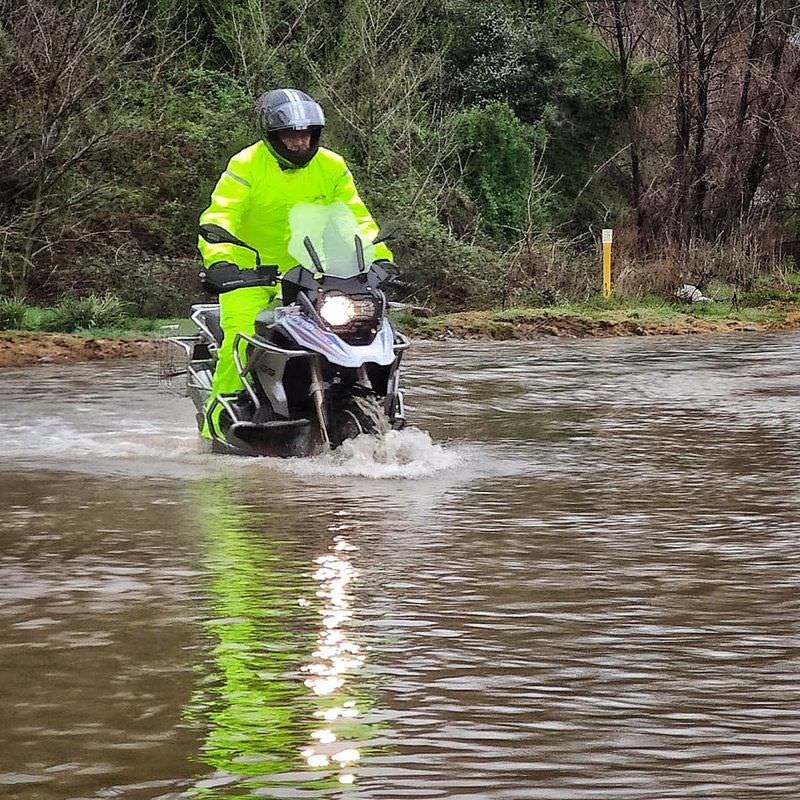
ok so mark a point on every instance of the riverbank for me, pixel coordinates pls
(597, 321)
(21, 348)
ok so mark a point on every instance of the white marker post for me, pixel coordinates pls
(608, 235)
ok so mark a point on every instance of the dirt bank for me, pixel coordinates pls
(490, 325)
(18, 348)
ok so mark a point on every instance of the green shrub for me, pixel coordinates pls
(440, 271)
(405, 320)
(175, 140)
(12, 314)
(159, 287)
(495, 151)
(499, 54)
(562, 81)
(86, 313)
(760, 297)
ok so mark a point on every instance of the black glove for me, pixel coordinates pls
(386, 270)
(223, 276)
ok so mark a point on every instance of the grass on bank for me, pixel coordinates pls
(101, 316)
(106, 316)
(757, 308)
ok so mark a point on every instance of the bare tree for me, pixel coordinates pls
(625, 30)
(62, 58)
(718, 148)
(375, 81)
(774, 98)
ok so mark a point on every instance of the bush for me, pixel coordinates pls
(176, 141)
(160, 287)
(494, 149)
(544, 270)
(443, 272)
(94, 311)
(12, 315)
(498, 54)
(562, 82)
(761, 297)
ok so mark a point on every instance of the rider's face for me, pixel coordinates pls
(296, 141)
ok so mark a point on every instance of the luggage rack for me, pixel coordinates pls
(170, 367)
(183, 366)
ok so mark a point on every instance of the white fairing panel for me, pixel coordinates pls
(309, 335)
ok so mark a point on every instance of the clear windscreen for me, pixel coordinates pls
(332, 231)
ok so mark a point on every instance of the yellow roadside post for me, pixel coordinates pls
(608, 235)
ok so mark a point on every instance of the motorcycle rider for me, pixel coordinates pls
(252, 200)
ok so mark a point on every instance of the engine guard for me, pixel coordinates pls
(278, 439)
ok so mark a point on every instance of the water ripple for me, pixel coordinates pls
(575, 578)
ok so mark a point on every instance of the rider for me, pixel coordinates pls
(252, 200)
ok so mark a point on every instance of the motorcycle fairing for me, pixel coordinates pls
(307, 333)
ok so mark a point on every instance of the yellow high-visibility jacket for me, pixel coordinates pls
(253, 196)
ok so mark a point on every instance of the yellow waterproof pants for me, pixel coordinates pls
(238, 310)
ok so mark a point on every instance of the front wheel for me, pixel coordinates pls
(352, 416)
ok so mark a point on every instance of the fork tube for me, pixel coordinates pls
(363, 378)
(317, 389)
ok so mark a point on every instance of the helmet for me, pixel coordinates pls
(289, 109)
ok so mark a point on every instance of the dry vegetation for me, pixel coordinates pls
(503, 135)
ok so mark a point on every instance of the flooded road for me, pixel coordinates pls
(576, 578)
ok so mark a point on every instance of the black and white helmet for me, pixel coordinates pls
(289, 109)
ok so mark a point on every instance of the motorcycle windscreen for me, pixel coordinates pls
(332, 231)
(307, 333)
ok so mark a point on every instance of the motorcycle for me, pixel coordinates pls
(323, 366)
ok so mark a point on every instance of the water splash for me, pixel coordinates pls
(410, 453)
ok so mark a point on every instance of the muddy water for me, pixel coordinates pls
(576, 578)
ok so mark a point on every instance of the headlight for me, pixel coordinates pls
(354, 317)
(337, 310)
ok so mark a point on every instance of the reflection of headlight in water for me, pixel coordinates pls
(337, 309)
(334, 657)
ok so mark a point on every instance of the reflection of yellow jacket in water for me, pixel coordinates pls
(249, 698)
(252, 200)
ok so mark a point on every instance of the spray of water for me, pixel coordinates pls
(140, 447)
(397, 454)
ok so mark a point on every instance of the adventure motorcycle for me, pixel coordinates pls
(322, 367)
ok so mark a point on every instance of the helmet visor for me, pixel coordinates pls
(295, 114)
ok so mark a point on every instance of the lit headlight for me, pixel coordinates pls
(337, 309)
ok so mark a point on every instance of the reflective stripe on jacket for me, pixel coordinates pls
(253, 196)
